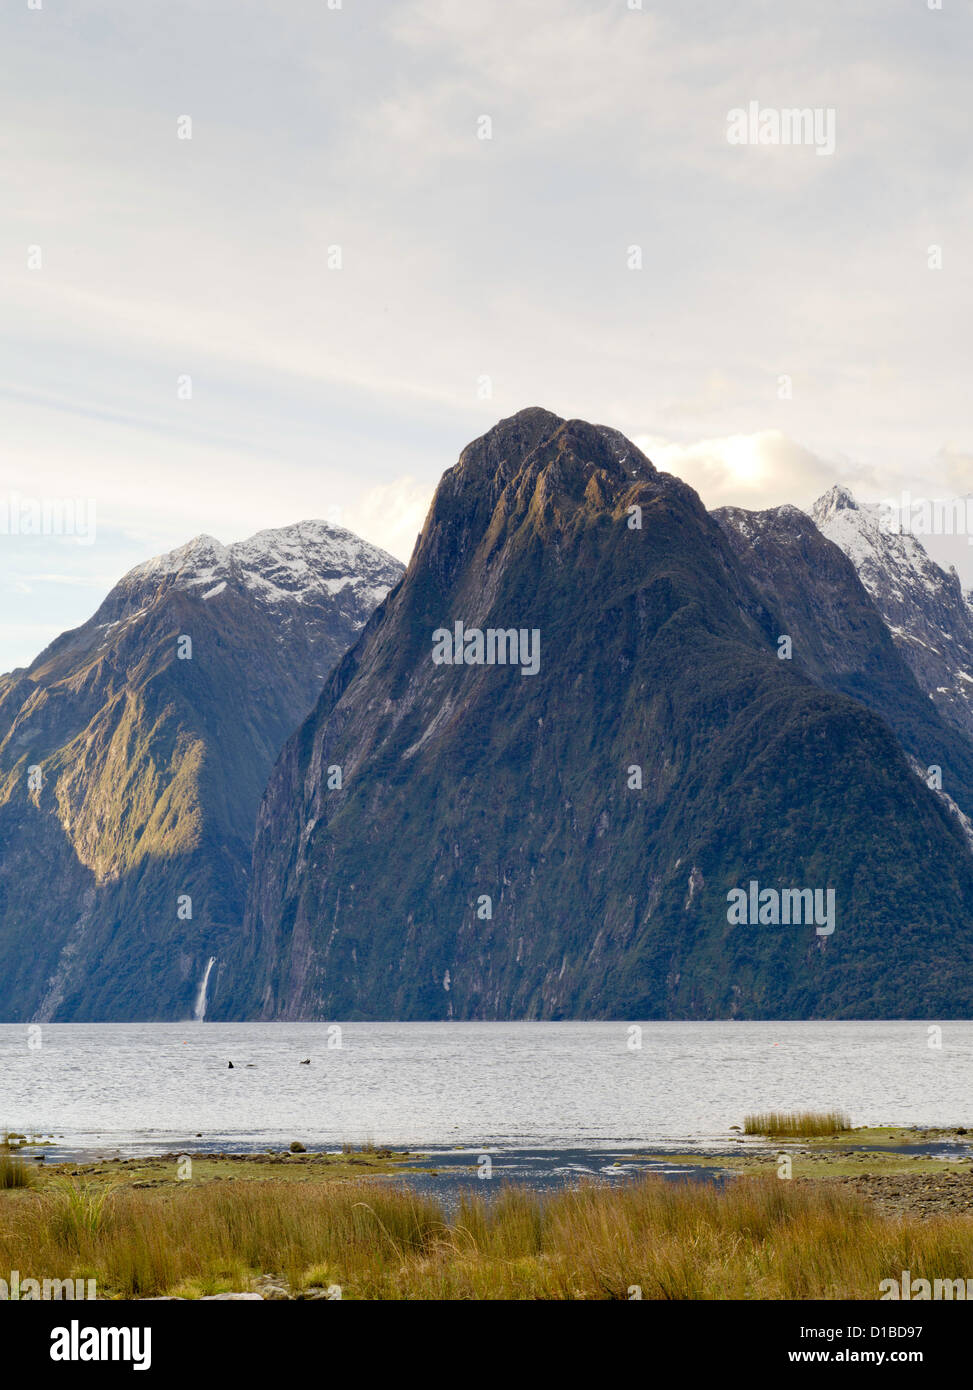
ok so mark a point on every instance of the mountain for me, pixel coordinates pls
(840, 638)
(924, 606)
(133, 755)
(470, 840)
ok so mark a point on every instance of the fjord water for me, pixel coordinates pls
(150, 1087)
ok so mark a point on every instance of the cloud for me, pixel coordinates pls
(754, 471)
(391, 515)
(464, 258)
(957, 468)
(768, 468)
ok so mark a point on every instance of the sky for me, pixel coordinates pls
(265, 261)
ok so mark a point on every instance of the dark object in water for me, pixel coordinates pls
(230, 1065)
(306, 1062)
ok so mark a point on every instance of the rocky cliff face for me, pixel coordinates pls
(476, 840)
(133, 754)
(925, 608)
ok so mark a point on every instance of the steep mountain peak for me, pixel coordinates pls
(532, 417)
(154, 763)
(311, 555)
(922, 604)
(307, 573)
(202, 554)
(836, 499)
(287, 563)
(872, 546)
(600, 448)
(496, 456)
(468, 787)
(532, 469)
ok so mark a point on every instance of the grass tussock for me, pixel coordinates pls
(755, 1238)
(14, 1172)
(802, 1124)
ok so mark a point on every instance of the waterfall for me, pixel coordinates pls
(199, 1009)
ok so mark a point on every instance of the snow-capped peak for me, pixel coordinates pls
(923, 605)
(874, 548)
(284, 564)
(201, 554)
(299, 573)
(836, 499)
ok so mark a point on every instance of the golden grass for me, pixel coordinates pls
(757, 1238)
(802, 1124)
(14, 1172)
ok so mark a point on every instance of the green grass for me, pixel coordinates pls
(78, 1212)
(757, 1238)
(801, 1124)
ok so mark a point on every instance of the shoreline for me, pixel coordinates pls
(899, 1169)
(855, 1209)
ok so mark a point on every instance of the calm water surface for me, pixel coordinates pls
(569, 1089)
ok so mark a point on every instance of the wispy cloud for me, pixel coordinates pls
(477, 276)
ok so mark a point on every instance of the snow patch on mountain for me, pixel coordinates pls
(924, 606)
(291, 564)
